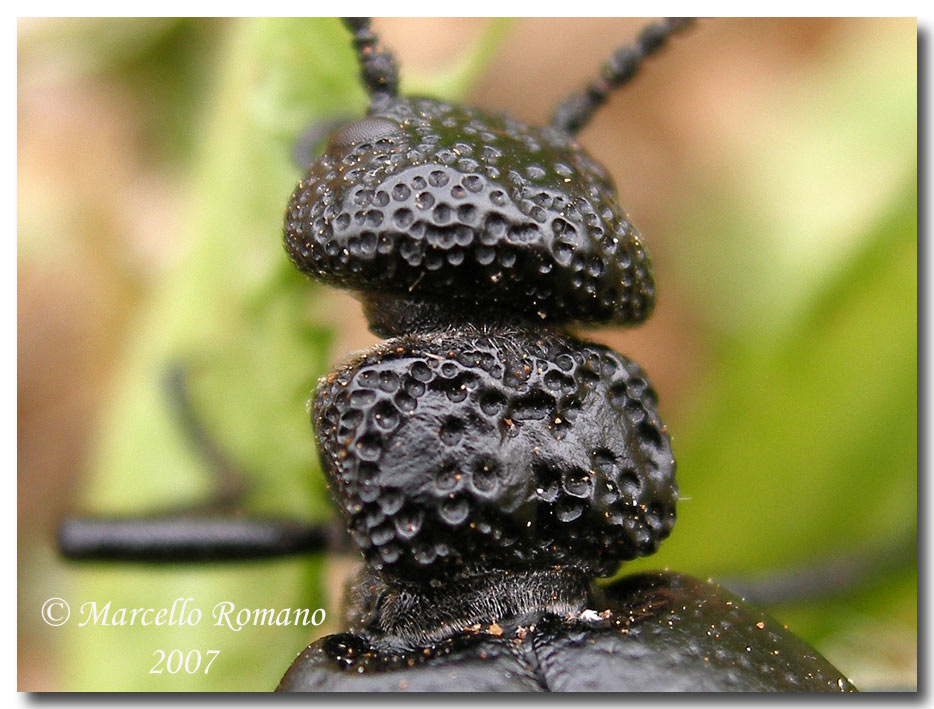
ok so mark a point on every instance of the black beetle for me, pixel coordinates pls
(488, 464)
(641, 601)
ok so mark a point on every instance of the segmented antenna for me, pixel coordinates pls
(181, 538)
(575, 111)
(378, 69)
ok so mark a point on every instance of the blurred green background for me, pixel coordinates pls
(770, 164)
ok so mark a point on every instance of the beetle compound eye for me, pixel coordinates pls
(516, 449)
(439, 204)
(369, 130)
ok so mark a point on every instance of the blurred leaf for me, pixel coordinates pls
(807, 166)
(233, 312)
(456, 80)
(813, 437)
(78, 45)
(235, 315)
(800, 442)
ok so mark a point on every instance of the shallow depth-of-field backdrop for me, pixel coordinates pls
(769, 164)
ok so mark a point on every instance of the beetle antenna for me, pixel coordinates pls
(377, 68)
(575, 111)
(229, 481)
(183, 538)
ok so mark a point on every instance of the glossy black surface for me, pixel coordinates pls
(655, 632)
(428, 199)
(187, 538)
(470, 448)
